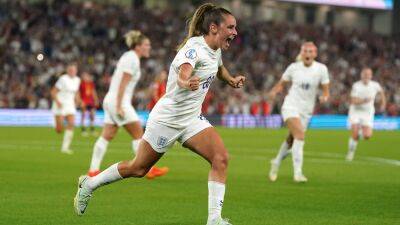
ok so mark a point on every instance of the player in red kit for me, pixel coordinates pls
(89, 102)
(158, 88)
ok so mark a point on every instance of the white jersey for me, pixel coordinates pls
(305, 83)
(179, 106)
(68, 87)
(128, 63)
(364, 91)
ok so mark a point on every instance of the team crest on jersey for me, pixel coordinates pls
(191, 54)
(161, 141)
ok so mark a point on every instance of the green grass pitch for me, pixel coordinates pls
(38, 183)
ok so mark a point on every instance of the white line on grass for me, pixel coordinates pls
(313, 157)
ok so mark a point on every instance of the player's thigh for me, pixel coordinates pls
(109, 131)
(92, 113)
(208, 144)
(295, 127)
(134, 129)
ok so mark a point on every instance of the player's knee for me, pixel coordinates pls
(220, 160)
(299, 136)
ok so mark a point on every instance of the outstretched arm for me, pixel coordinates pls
(277, 88)
(325, 93)
(383, 100)
(224, 75)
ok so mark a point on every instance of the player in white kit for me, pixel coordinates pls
(362, 110)
(305, 76)
(176, 116)
(65, 95)
(117, 103)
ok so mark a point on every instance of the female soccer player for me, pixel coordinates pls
(64, 95)
(118, 109)
(305, 77)
(89, 102)
(176, 116)
(362, 110)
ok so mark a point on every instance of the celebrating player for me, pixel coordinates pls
(176, 116)
(305, 77)
(64, 95)
(118, 109)
(89, 101)
(362, 110)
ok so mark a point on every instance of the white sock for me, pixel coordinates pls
(108, 176)
(352, 145)
(68, 134)
(135, 145)
(216, 192)
(283, 152)
(99, 149)
(297, 156)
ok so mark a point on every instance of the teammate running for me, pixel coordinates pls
(89, 102)
(176, 116)
(117, 105)
(362, 110)
(65, 95)
(305, 76)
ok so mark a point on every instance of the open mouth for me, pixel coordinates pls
(230, 39)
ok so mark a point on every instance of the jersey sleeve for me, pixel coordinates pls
(354, 92)
(378, 87)
(60, 83)
(288, 74)
(189, 54)
(220, 63)
(324, 75)
(129, 65)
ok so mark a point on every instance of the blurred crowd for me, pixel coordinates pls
(92, 35)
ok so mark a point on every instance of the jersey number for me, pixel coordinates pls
(208, 82)
(305, 86)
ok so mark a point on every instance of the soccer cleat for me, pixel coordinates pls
(82, 196)
(219, 221)
(300, 178)
(273, 172)
(85, 134)
(67, 151)
(350, 156)
(93, 173)
(156, 172)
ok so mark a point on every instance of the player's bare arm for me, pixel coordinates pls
(235, 82)
(122, 86)
(383, 100)
(185, 78)
(325, 93)
(53, 93)
(277, 88)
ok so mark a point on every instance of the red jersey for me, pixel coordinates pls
(86, 90)
(159, 88)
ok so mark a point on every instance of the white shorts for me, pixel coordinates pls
(361, 118)
(295, 113)
(162, 137)
(66, 109)
(111, 117)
